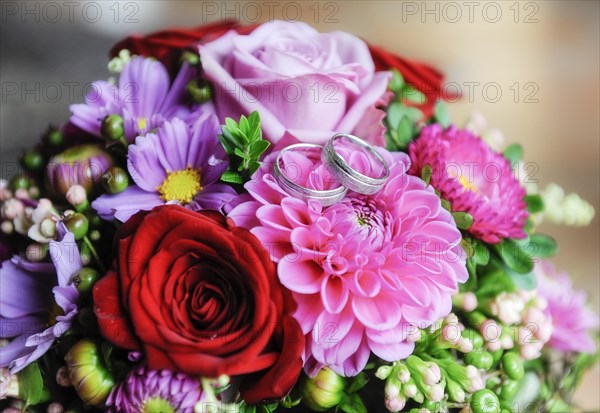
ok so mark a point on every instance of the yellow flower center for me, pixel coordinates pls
(181, 186)
(142, 123)
(467, 185)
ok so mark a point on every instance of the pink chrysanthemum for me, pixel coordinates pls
(363, 272)
(572, 320)
(474, 179)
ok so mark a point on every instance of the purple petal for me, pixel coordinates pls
(124, 205)
(143, 162)
(66, 258)
(143, 86)
(22, 292)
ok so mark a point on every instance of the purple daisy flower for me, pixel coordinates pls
(142, 98)
(37, 303)
(178, 164)
(146, 390)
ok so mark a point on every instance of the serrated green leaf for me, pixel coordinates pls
(441, 114)
(535, 203)
(517, 255)
(426, 173)
(543, 245)
(232, 177)
(514, 152)
(463, 220)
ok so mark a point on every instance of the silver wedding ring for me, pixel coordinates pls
(346, 175)
(326, 197)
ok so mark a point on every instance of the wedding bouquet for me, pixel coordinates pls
(267, 218)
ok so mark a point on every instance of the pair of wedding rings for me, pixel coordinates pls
(348, 177)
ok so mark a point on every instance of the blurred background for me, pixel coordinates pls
(532, 68)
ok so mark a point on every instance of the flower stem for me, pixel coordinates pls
(89, 244)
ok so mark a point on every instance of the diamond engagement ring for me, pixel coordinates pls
(326, 197)
(349, 177)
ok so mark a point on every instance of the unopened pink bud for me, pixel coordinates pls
(436, 393)
(7, 227)
(12, 208)
(76, 195)
(55, 408)
(469, 301)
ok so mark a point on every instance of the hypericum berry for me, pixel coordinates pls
(480, 359)
(78, 225)
(33, 160)
(20, 182)
(509, 389)
(485, 401)
(199, 91)
(513, 366)
(324, 391)
(111, 127)
(84, 279)
(115, 180)
(55, 138)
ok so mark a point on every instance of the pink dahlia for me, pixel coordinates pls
(363, 272)
(474, 179)
(572, 320)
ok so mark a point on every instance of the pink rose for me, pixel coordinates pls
(306, 85)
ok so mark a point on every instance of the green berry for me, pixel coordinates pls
(193, 59)
(55, 138)
(20, 182)
(78, 225)
(112, 127)
(513, 366)
(33, 160)
(480, 359)
(509, 389)
(84, 279)
(115, 180)
(485, 401)
(324, 391)
(497, 355)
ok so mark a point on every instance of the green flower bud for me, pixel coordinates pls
(485, 401)
(474, 337)
(455, 391)
(84, 279)
(111, 127)
(324, 391)
(191, 58)
(509, 389)
(497, 355)
(115, 180)
(78, 225)
(32, 160)
(88, 373)
(383, 372)
(199, 90)
(513, 366)
(93, 218)
(480, 359)
(20, 182)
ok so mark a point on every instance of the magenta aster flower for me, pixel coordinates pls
(146, 390)
(143, 98)
(572, 320)
(178, 164)
(37, 302)
(363, 272)
(474, 179)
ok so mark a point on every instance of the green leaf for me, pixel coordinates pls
(494, 282)
(441, 114)
(514, 152)
(426, 173)
(543, 245)
(446, 204)
(482, 254)
(352, 403)
(232, 177)
(257, 148)
(397, 82)
(523, 281)
(241, 153)
(31, 385)
(358, 382)
(244, 125)
(535, 203)
(517, 255)
(463, 220)
(405, 132)
(413, 95)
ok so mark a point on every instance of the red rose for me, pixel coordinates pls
(166, 46)
(198, 295)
